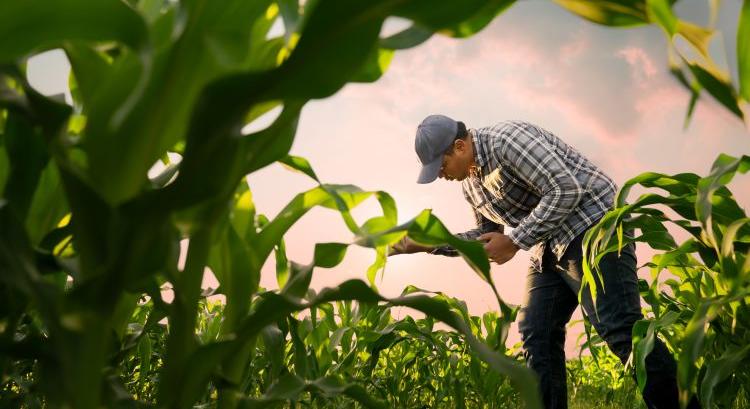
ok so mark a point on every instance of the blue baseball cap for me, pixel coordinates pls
(435, 135)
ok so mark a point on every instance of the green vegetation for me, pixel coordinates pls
(88, 239)
(701, 308)
(403, 363)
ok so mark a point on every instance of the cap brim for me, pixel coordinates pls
(430, 171)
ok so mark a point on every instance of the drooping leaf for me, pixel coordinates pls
(608, 12)
(407, 38)
(480, 20)
(722, 91)
(36, 25)
(644, 336)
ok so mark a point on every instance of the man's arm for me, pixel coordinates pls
(535, 161)
(484, 225)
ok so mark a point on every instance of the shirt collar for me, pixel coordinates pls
(480, 156)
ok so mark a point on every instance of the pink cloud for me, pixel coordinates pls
(528, 79)
(642, 66)
(575, 48)
(568, 108)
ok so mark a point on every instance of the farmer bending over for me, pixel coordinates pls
(518, 174)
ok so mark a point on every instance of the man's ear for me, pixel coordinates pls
(460, 144)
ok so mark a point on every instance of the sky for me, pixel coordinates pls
(607, 92)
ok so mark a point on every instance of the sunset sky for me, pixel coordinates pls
(607, 92)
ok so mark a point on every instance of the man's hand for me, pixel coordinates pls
(406, 246)
(499, 247)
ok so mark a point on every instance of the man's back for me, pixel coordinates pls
(533, 181)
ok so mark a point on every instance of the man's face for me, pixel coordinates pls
(456, 164)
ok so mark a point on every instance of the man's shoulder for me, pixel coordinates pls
(504, 128)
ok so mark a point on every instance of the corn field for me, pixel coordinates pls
(89, 241)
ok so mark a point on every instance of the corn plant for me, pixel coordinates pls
(342, 348)
(599, 379)
(85, 233)
(701, 307)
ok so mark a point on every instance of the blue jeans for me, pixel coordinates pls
(552, 296)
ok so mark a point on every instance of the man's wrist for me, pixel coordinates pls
(515, 246)
(423, 249)
(516, 241)
(414, 247)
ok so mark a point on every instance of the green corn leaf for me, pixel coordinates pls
(299, 280)
(231, 261)
(155, 96)
(28, 157)
(290, 14)
(272, 233)
(287, 388)
(123, 311)
(719, 370)
(375, 65)
(660, 12)
(151, 9)
(385, 341)
(379, 265)
(700, 38)
(329, 53)
(336, 337)
(617, 13)
(259, 109)
(202, 364)
(721, 90)
(479, 20)
(299, 350)
(48, 205)
(300, 164)
(4, 160)
(273, 342)
(36, 25)
(290, 386)
(274, 306)
(329, 255)
(16, 254)
(678, 185)
(693, 345)
(444, 15)
(728, 258)
(722, 172)
(525, 384)
(332, 385)
(144, 353)
(89, 69)
(691, 86)
(407, 38)
(325, 46)
(282, 263)
(273, 143)
(644, 335)
(91, 216)
(743, 50)
(242, 216)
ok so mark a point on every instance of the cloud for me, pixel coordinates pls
(642, 66)
(575, 48)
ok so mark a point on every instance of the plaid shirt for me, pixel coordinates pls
(531, 180)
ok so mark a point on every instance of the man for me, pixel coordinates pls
(517, 174)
